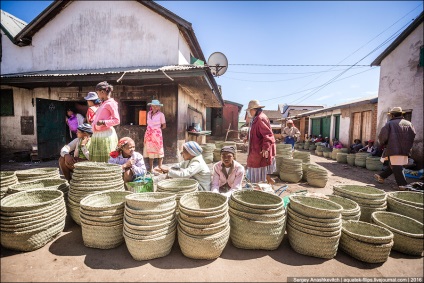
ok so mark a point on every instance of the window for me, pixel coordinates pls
(7, 108)
(408, 114)
(134, 113)
(422, 56)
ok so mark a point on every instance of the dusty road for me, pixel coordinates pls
(67, 259)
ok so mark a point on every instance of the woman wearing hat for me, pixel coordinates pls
(228, 174)
(153, 140)
(104, 137)
(261, 147)
(93, 102)
(193, 166)
(80, 148)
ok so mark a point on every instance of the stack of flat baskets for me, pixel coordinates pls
(101, 216)
(257, 219)
(278, 160)
(350, 158)
(207, 153)
(304, 155)
(45, 184)
(37, 174)
(316, 176)
(326, 152)
(89, 178)
(408, 232)
(366, 242)
(150, 224)
(31, 219)
(361, 159)
(179, 187)
(373, 163)
(7, 178)
(370, 199)
(351, 209)
(314, 226)
(203, 225)
(291, 170)
(341, 157)
(410, 204)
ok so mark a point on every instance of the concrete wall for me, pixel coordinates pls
(230, 115)
(401, 84)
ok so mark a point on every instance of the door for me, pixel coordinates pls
(51, 127)
(356, 127)
(316, 127)
(366, 125)
(336, 126)
(325, 126)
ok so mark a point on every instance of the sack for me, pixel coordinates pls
(141, 184)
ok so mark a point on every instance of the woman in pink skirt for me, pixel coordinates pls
(153, 140)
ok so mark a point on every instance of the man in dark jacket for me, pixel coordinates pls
(398, 137)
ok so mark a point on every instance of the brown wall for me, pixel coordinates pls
(230, 115)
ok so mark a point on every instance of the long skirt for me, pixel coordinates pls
(256, 175)
(102, 143)
(153, 143)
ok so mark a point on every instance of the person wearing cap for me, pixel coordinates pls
(369, 147)
(80, 148)
(261, 145)
(104, 137)
(397, 136)
(193, 166)
(290, 133)
(153, 139)
(93, 102)
(228, 174)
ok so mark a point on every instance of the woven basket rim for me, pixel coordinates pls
(275, 200)
(177, 182)
(339, 200)
(147, 212)
(348, 189)
(55, 195)
(395, 196)
(333, 208)
(349, 225)
(317, 221)
(238, 206)
(375, 218)
(89, 202)
(184, 201)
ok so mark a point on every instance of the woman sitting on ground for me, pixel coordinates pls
(132, 162)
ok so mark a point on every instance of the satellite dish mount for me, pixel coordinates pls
(218, 64)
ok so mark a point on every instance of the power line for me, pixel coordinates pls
(284, 73)
(298, 65)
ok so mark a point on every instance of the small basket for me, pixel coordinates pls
(178, 184)
(315, 207)
(367, 233)
(102, 237)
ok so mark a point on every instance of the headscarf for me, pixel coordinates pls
(229, 149)
(193, 148)
(121, 143)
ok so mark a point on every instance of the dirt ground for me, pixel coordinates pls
(66, 258)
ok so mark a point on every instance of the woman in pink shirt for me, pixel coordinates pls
(228, 174)
(104, 137)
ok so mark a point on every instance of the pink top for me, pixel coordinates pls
(108, 111)
(235, 176)
(156, 121)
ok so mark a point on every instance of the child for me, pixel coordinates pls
(80, 147)
(132, 162)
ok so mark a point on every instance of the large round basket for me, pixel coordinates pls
(361, 191)
(45, 184)
(399, 207)
(411, 198)
(30, 200)
(350, 159)
(315, 207)
(257, 199)
(202, 203)
(102, 237)
(178, 184)
(373, 163)
(243, 208)
(151, 201)
(313, 221)
(366, 232)
(104, 201)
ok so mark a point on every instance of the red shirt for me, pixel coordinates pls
(260, 138)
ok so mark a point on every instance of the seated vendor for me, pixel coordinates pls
(227, 173)
(193, 166)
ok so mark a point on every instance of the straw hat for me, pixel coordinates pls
(395, 110)
(155, 102)
(254, 104)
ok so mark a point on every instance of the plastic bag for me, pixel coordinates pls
(141, 184)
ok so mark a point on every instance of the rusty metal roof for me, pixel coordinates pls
(11, 25)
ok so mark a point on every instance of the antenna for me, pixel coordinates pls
(218, 64)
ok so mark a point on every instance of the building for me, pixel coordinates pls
(401, 81)
(226, 119)
(142, 49)
(274, 117)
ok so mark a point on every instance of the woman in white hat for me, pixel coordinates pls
(261, 148)
(153, 139)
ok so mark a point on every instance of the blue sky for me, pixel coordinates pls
(255, 35)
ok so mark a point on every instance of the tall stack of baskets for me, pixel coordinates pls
(370, 199)
(150, 224)
(257, 220)
(37, 174)
(314, 226)
(101, 216)
(366, 242)
(410, 204)
(304, 155)
(361, 159)
(318, 150)
(373, 163)
(316, 176)
(351, 210)
(7, 178)
(179, 187)
(203, 225)
(89, 178)
(207, 153)
(283, 151)
(326, 152)
(291, 170)
(31, 219)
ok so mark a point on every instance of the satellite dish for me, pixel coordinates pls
(218, 64)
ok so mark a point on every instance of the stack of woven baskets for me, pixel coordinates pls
(150, 224)
(291, 170)
(89, 178)
(298, 145)
(316, 176)
(178, 186)
(312, 147)
(45, 184)
(37, 174)
(203, 225)
(361, 159)
(208, 151)
(7, 178)
(334, 153)
(408, 232)
(366, 242)
(31, 219)
(373, 163)
(410, 204)
(370, 199)
(257, 220)
(351, 209)
(318, 150)
(306, 145)
(101, 216)
(326, 152)
(341, 157)
(350, 158)
(304, 155)
(314, 226)
(284, 150)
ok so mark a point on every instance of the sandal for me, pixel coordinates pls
(378, 178)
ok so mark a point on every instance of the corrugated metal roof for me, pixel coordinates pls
(11, 25)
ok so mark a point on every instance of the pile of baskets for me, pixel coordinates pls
(341, 157)
(7, 178)
(366, 242)
(370, 199)
(410, 204)
(351, 209)
(37, 174)
(316, 176)
(312, 147)
(298, 145)
(284, 150)
(257, 220)
(318, 150)
(350, 158)
(314, 226)
(89, 178)
(31, 219)
(306, 145)
(45, 184)
(178, 186)
(326, 152)
(334, 153)
(291, 170)
(373, 163)
(208, 152)
(203, 225)
(304, 155)
(408, 232)
(361, 159)
(101, 216)
(150, 224)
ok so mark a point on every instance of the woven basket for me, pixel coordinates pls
(361, 191)
(317, 176)
(259, 216)
(341, 157)
(350, 159)
(315, 207)
(27, 214)
(89, 167)
(326, 154)
(414, 212)
(178, 184)
(104, 201)
(411, 198)
(151, 201)
(367, 233)
(24, 218)
(146, 213)
(203, 226)
(30, 200)
(203, 247)
(350, 207)
(45, 184)
(366, 212)
(373, 163)
(153, 216)
(408, 232)
(257, 199)
(150, 227)
(313, 230)
(203, 231)
(317, 222)
(363, 201)
(101, 220)
(203, 203)
(243, 208)
(149, 234)
(102, 237)
(203, 219)
(149, 222)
